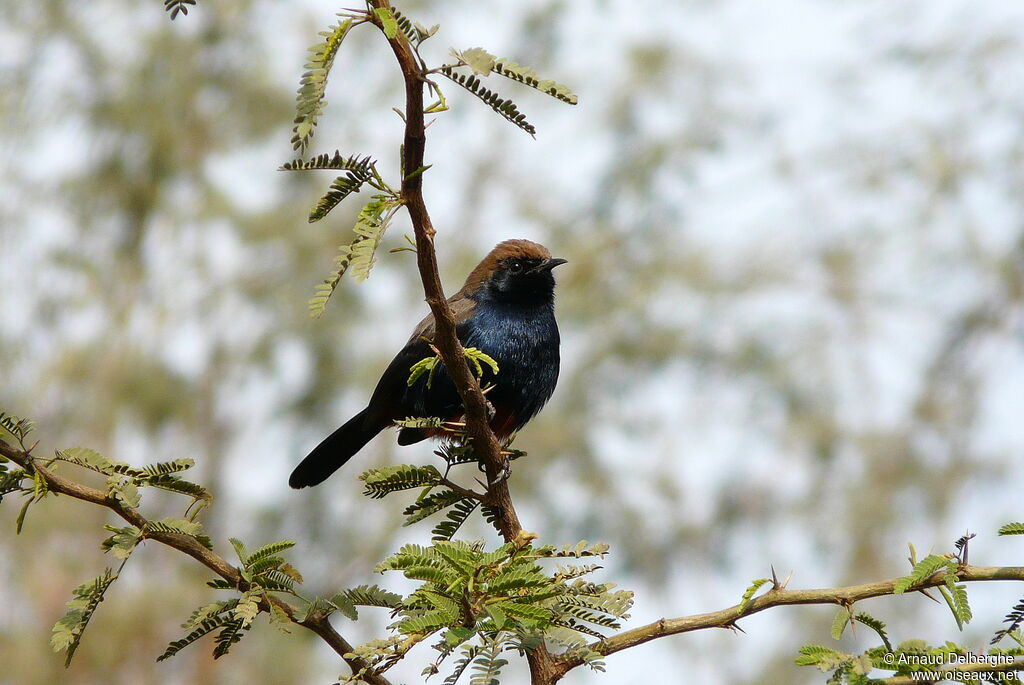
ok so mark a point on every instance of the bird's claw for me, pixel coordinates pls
(503, 474)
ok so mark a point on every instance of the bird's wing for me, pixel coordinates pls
(462, 307)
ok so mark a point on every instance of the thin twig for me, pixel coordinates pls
(319, 624)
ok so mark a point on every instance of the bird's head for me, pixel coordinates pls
(515, 270)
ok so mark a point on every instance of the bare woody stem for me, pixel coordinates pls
(779, 596)
(317, 623)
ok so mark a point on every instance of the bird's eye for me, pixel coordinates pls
(515, 266)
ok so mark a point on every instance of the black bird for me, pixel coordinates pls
(505, 309)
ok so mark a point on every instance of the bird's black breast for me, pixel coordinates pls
(523, 339)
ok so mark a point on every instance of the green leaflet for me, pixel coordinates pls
(179, 526)
(431, 504)
(839, 622)
(385, 480)
(309, 103)
(503, 107)
(68, 631)
(923, 570)
(748, 594)
(13, 429)
(526, 76)
(429, 365)
(372, 595)
(456, 516)
(474, 599)
(342, 187)
(387, 21)
(267, 551)
(176, 7)
(488, 664)
(358, 255)
(875, 625)
(824, 658)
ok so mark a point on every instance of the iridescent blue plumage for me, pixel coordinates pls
(505, 309)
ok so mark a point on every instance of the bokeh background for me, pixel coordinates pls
(792, 314)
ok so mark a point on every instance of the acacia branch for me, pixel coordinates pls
(318, 623)
(485, 444)
(780, 596)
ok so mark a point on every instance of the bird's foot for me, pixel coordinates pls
(503, 474)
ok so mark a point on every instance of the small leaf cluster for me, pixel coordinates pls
(263, 572)
(14, 431)
(309, 104)
(429, 365)
(176, 7)
(482, 604)
(953, 593)
(358, 254)
(458, 506)
(68, 631)
(124, 481)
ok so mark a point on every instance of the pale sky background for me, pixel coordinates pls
(831, 186)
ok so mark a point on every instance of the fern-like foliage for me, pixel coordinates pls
(124, 481)
(527, 76)
(372, 596)
(172, 525)
(923, 570)
(824, 658)
(502, 106)
(385, 480)
(875, 625)
(335, 162)
(359, 254)
(1013, 619)
(456, 516)
(415, 33)
(489, 602)
(205, 627)
(176, 7)
(68, 631)
(956, 598)
(429, 365)
(358, 172)
(429, 505)
(483, 63)
(309, 104)
(748, 594)
(1012, 529)
(14, 430)
(263, 571)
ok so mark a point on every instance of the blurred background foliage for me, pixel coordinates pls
(792, 321)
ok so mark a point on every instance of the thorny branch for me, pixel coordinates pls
(477, 420)
(780, 596)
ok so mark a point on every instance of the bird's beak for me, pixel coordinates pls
(550, 264)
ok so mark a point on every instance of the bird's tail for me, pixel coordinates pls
(336, 449)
